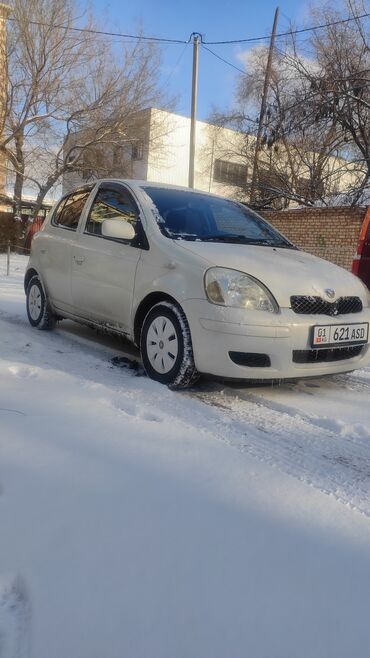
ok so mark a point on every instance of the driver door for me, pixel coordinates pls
(104, 269)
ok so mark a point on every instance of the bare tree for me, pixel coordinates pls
(316, 128)
(65, 83)
(335, 94)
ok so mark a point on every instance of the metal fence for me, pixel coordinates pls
(8, 247)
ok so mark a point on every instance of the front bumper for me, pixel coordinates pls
(217, 330)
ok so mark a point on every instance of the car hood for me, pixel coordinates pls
(285, 272)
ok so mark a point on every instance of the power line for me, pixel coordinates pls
(140, 37)
(176, 65)
(137, 37)
(290, 32)
(225, 61)
(350, 77)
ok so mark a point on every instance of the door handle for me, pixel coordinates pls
(43, 251)
(79, 259)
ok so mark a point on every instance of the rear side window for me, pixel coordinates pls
(69, 210)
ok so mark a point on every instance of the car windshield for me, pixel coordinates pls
(184, 215)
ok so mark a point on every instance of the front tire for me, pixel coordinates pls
(38, 310)
(166, 347)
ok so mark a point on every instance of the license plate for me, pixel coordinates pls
(340, 334)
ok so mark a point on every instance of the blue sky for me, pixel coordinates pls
(216, 20)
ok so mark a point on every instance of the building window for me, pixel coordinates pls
(231, 173)
(137, 150)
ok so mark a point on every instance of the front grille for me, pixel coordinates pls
(250, 359)
(318, 306)
(326, 355)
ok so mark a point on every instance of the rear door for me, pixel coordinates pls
(104, 269)
(56, 244)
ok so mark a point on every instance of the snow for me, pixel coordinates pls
(140, 522)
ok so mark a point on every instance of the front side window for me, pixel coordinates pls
(114, 204)
(69, 211)
(189, 215)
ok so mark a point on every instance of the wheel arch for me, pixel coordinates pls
(144, 307)
(28, 276)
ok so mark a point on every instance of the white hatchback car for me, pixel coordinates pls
(200, 283)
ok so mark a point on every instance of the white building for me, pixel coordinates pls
(162, 155)
(159, 152)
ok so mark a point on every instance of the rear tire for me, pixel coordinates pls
(166, 347)
(38, 310)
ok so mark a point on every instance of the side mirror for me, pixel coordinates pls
(117, 228)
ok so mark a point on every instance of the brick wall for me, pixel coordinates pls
(331, 233)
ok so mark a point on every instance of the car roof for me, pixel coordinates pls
(140, 184)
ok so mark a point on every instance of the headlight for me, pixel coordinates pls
(232, 288)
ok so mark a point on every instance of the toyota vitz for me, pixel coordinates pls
(200, 283)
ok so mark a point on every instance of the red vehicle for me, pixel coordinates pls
(361, 261)
(32, 229)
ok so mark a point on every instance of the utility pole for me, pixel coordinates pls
(194, 92)
(263, 106)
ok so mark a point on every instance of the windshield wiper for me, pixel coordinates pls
(182, 236)
(223, 237)
(284, 245)
(232, 237)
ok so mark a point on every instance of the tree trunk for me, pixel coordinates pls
(39, 201)
(19, 176)
(43, 190)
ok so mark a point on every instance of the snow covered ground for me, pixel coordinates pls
(136, 522)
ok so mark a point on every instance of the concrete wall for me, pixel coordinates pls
(330, 233)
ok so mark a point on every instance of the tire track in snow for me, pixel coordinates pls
(312, 448)
(15, 617)
(308, 447)
(353, 382)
